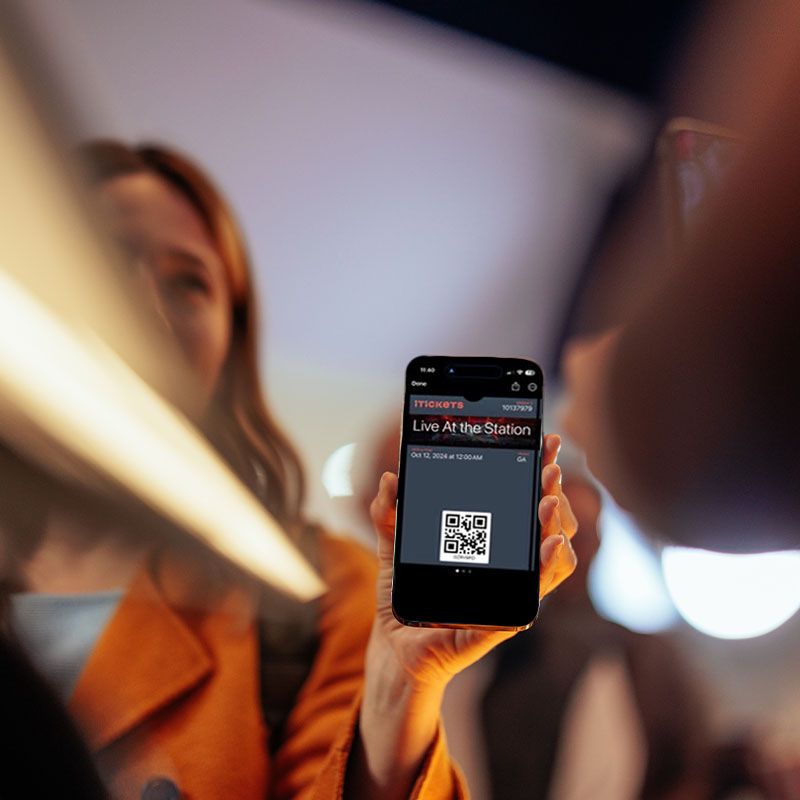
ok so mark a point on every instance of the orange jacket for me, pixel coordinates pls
(169, 700)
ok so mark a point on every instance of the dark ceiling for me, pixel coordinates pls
(627, 44)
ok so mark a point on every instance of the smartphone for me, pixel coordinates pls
(466, 552)
(694, 158)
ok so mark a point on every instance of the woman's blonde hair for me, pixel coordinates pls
(243, 427)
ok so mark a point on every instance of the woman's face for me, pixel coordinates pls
(177, 265)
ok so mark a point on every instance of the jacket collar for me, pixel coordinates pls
(146, 657)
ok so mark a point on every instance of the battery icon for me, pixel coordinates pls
(530, 371)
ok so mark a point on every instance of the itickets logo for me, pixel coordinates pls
(439, 404)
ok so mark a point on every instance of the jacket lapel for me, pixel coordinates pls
(146, 658)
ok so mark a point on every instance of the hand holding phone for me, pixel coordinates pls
(432, 656)
(466, 550)
(407, 668)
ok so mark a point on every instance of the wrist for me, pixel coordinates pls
(389, 684)
(398, 723)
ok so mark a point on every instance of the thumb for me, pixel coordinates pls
(383, 513)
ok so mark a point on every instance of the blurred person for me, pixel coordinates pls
(186, 679)
(677, 395)
(698, 374)
(580, 707)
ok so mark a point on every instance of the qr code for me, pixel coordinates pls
(465, 536)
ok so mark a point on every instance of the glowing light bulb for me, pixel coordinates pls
(732, 596)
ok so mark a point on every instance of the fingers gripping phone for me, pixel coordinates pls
(467, 532)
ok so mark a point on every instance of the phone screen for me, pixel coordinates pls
(466, 543)
(469, 476)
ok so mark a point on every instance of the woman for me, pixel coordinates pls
(178, 687)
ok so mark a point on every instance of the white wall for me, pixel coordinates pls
(404, 190)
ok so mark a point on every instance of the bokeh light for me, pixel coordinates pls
(733, 596)
(625, 582)
(337, 471)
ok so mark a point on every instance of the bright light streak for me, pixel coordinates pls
(77, 391)
(337, 471)
(625, 580)
(733, 596)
